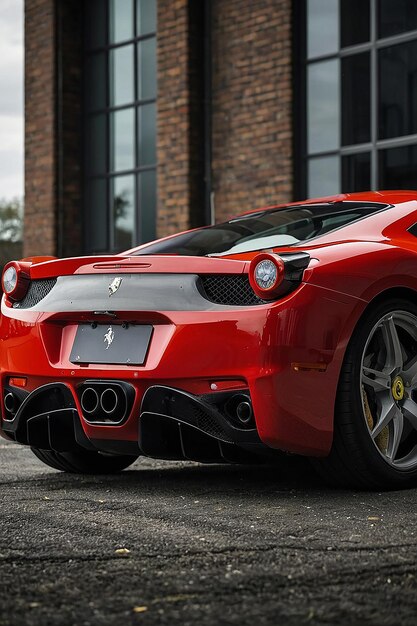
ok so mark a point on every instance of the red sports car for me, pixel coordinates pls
(291, 328)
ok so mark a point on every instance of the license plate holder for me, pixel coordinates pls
(111, 344)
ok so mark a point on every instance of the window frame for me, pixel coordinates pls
(372, 147)
(136, 104)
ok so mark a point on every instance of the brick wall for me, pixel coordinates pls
(40, 156)
(179, 150)
(252, 104)
(251, 115)
(53, 128)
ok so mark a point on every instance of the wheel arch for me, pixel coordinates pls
(406, 293)
(351, 455)
(401, 292)
(349, 331)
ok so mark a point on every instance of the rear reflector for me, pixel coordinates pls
(18, 382)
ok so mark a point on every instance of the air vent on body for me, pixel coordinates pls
(38, 290)
(229, 289)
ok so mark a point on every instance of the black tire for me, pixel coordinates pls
(84, 461)
(354, 460)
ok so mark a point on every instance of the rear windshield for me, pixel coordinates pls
(266, 229)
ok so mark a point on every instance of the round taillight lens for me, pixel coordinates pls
(15, 280)
(266, 274)
(10, 279)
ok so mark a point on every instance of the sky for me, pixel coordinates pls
(11, 98)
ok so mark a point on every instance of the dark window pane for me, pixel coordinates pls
(354, 22)
(322, 27)
(398, 90)
(398, 168)
(323, 176)
(121, 20)
(122, 125)
(121, 78)
(356, 172)
(97, 225)
(146, 13)
(96, 81)
(396, 16)
(147, 134)
(96, 144)
(147, 69)
(147, 205)
(323, 106)
(356, 99)
(123, 211)
(96, 23)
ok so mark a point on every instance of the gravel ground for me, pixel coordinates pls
(181, 543)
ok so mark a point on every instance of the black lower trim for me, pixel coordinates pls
(47, 419)
(174, 424)
(116, 446)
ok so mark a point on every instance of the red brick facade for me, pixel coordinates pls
(53, 133)
(173, 105)
(250, 102)
(40, 121)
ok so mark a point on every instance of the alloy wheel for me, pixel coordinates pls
(389, 388)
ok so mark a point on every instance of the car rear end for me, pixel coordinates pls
(176, 357)
(207, 345)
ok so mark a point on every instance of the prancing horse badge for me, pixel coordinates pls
(114, 285)
(109, 337)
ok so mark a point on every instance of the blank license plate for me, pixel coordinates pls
(115, 344)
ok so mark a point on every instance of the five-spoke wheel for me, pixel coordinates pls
(389, 387)
(375, 428)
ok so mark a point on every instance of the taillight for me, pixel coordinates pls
(266, 274)
(272, 275)
(15, 280)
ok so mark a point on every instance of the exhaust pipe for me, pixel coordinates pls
(106, 401)
(10, 403)
(89, 400)
(109, 401)
(244, 412)
(240, 411)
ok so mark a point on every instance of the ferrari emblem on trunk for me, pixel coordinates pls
(109, 337)
(114, 285)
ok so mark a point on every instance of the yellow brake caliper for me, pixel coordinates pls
(382, 439)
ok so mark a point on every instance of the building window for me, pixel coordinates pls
(120, 123)
(360, 85)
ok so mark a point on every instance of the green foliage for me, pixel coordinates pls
(11, 230)
(11, 220)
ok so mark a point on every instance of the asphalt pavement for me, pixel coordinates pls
(181, 543)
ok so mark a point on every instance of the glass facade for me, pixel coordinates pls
(360, 70)
(120, 123)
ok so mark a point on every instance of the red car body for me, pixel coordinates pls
(285, 355)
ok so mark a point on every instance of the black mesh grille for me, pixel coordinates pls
(232, 289)
(207, 424)
(37, 291)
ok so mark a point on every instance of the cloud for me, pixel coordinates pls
(11, 156)
(11, 98)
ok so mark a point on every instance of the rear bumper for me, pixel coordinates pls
(172, 424)
(257, 349)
